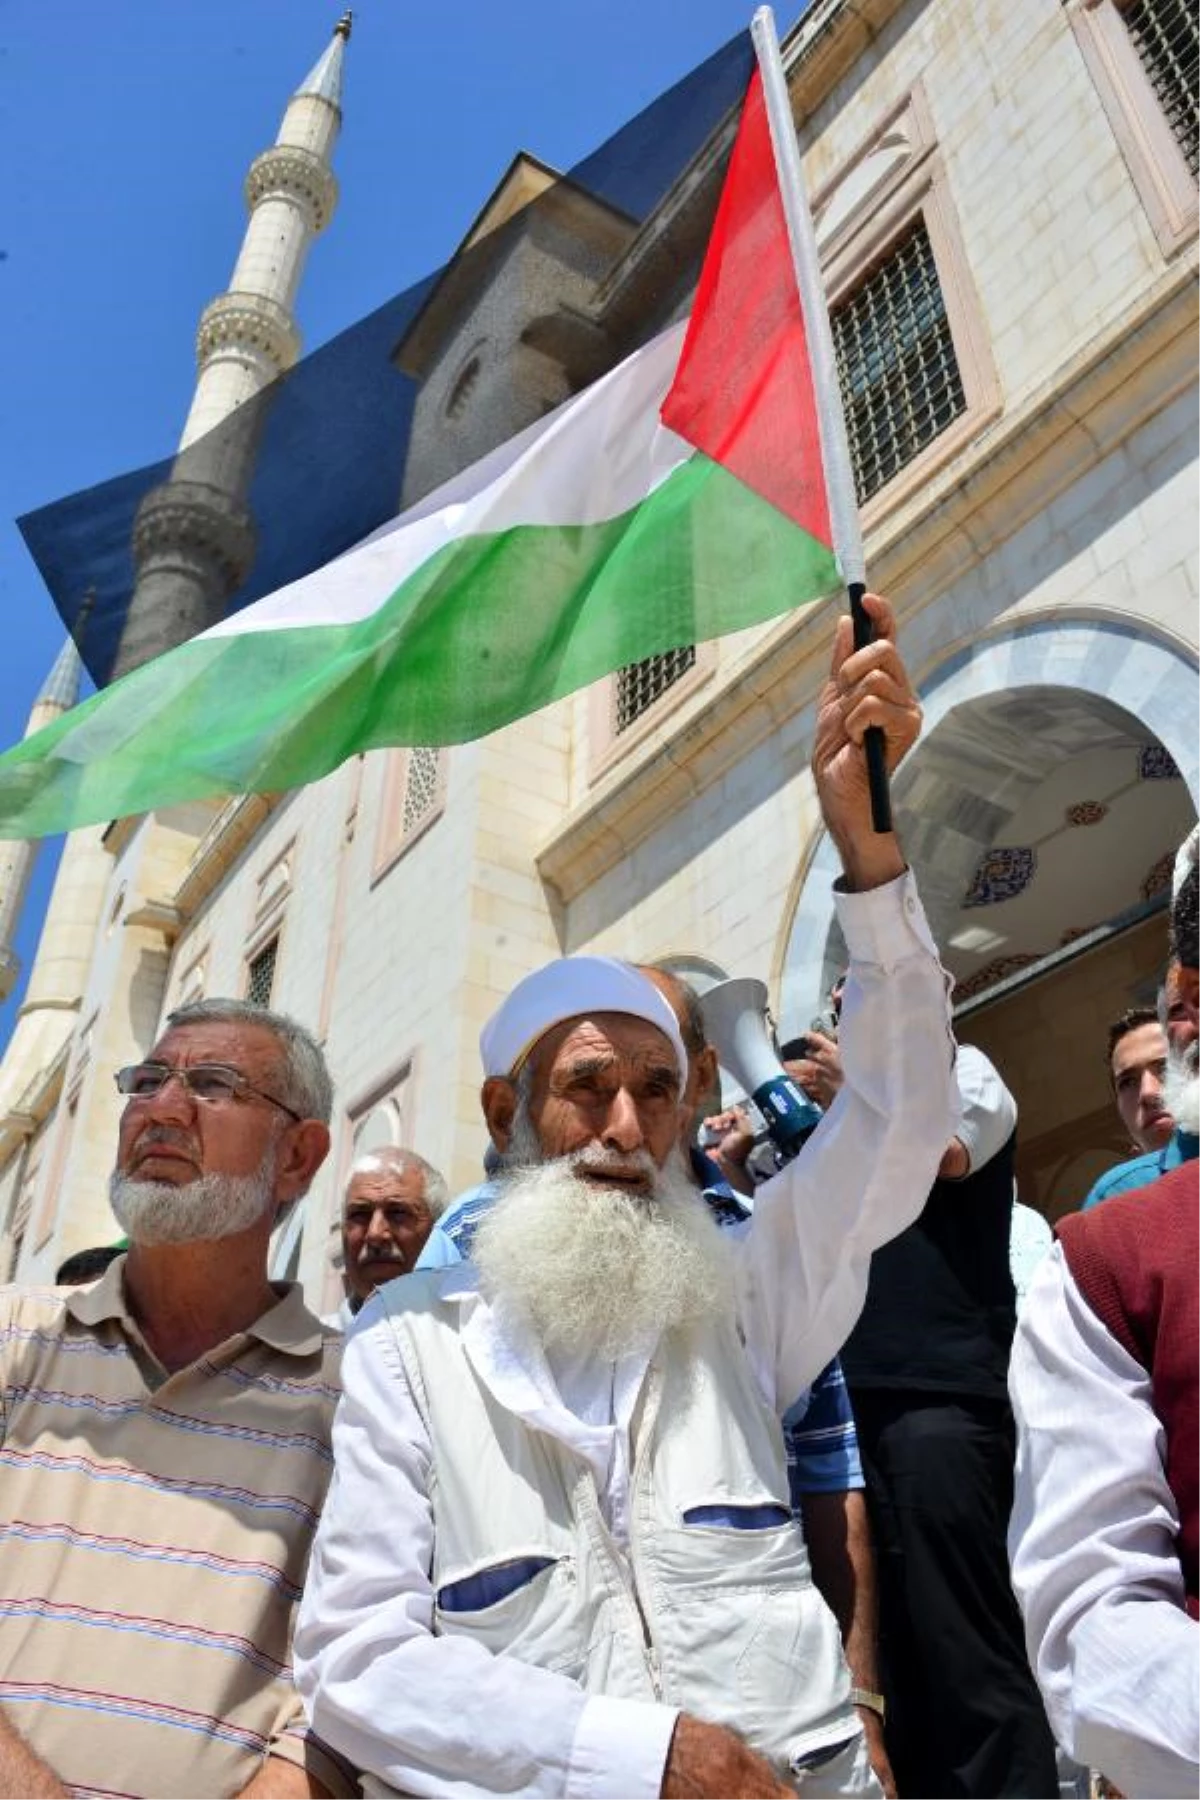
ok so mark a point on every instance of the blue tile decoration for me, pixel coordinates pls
(1004, 872)
(999, 969)
(1157, 764)
(1157, 879)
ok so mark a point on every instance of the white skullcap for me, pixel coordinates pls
(1186, 858)
(572, 988)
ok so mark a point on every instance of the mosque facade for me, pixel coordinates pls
(1006, 200)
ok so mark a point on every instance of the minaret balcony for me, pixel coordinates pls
(193, 520)
(249, 324)
(287, 172)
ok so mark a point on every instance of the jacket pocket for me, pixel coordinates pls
(739, 1518)
(476, 1593)
(526, 1607)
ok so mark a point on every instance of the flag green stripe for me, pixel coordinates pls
(489, 629)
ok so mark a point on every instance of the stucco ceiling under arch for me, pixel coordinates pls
(1031, 816)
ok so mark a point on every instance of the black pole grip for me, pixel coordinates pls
(873, 743)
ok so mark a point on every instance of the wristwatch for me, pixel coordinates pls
(874, 1702)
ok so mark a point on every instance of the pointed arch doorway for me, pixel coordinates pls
(1055, 777)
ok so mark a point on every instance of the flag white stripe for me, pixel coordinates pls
(596, 456)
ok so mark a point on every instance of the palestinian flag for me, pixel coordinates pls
(678, 498)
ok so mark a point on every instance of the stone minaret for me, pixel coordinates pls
(59, 692)
(95, 989)
(194, 537)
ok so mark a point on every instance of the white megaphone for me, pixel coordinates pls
(736, 1024)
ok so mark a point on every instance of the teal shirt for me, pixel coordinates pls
(1139, 1171)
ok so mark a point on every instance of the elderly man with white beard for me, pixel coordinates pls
(1105, 1531)
(558, 1554)
(164, 1436)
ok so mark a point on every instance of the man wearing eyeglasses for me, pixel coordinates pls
(164, 1437)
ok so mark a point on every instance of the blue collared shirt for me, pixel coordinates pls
(1139, 1171)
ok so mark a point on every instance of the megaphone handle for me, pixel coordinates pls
(873, 744)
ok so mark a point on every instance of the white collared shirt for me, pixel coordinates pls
(1093, 1545)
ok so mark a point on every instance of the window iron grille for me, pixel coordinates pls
(640, 684)
(260, 974)
(420, 789)
(1166, 36)
(899, 376)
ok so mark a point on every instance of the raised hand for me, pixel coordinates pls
(865, 687)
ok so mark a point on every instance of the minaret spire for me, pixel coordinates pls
(60, 690)
(194, 538)
(324, 79)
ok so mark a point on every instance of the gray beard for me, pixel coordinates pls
(602, 1271)
(209, 1208)
(1181, 1088)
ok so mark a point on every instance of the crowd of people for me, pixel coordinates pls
(651, 1466)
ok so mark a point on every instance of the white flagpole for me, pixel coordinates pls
(835, 449)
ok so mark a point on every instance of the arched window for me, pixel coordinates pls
(464, 386)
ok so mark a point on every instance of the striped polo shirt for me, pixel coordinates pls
(154, 1533)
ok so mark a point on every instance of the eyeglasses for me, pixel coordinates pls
(211, 1083)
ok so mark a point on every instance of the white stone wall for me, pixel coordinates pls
(401, 966)
(1056, 237)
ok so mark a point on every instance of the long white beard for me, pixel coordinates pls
(1181, 1088)
(212, 1206)
(600, 1270)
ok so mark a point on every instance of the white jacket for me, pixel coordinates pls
(715, 1614)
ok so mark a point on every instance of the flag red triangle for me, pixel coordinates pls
(743, 392)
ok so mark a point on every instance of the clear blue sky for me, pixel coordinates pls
(125, 133)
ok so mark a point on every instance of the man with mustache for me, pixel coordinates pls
(393, 1198)
(1105, 1530)
(165, 1444)
(558, 1554)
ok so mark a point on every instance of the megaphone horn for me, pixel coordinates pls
(736, 1025)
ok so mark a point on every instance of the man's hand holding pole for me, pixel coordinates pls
(866, 688)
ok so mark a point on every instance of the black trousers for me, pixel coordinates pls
(964, 1713)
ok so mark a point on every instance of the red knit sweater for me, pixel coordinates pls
(1134, 1259)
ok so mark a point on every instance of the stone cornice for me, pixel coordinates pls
(287, 172)
(119, 834)
(218, 850)
(53, 1003)
(156, 915)
(977, 500)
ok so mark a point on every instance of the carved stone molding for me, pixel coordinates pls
(190, 516)
(248, 322)
(287, 172)
(219, 848)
